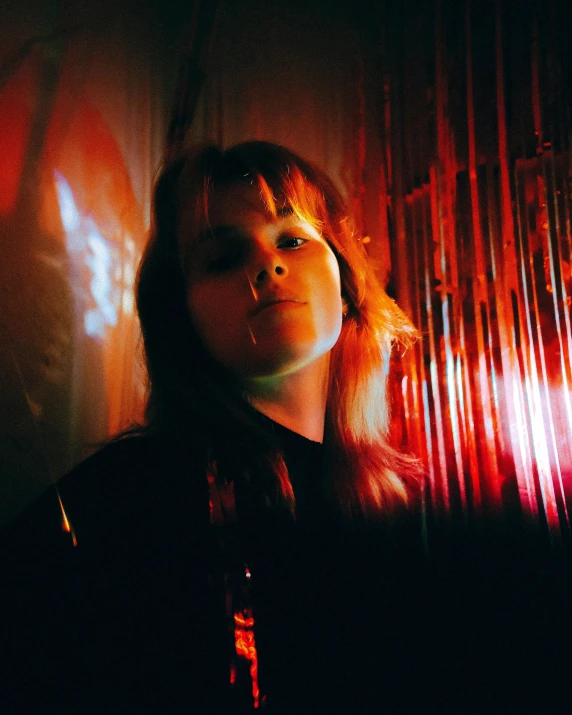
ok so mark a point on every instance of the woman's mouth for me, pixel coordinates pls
(276, 304)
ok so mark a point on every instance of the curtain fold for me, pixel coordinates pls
(79, 98)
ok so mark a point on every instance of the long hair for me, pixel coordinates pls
(190, 393)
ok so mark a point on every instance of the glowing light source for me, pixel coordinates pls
(112, 274)
(66, 526)
(246, 648)
(71, 218)
(99, 262)
(491, 242)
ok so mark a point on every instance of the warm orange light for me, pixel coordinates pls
(66, 526)
(243, 622)
(245, 646)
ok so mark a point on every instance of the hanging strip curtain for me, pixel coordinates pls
(484, 264)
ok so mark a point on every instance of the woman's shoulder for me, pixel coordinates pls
(117, 494)
(115, 463)
(132, 462)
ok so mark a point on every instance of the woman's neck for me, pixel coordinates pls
(297, 400)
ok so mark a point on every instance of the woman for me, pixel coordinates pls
(257, 543)
(236, 231)
(206, 541)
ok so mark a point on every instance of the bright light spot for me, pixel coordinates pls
(112, 270)
(127, 302)
(94, 324)
(99, 261)
(68, 210)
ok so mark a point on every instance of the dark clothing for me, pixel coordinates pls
(352, 619)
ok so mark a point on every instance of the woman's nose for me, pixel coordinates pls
(268, 266)
(265, 273)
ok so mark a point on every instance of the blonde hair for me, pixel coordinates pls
(365, 474)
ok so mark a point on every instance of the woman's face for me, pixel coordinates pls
(264, 294)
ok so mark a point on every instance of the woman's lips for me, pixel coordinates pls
(277, 304)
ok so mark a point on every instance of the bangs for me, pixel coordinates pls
(285, 185)
(291, 193)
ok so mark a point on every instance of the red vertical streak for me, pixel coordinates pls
(421, 397)
(555, 254)
(445, 180)
(536, 338)
(552, 231)
(532, 383)
(553, 237)
(544, 474)
(402, 214)
(470, 424)
(423, 278)
(480, 294)
(519, 443)
(515, 399)
(435, 387)
(559, 196)
(415, 424)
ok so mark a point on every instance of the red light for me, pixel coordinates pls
(245, 646)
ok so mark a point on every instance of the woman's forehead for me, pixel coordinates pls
(228, 204)
(236, 204)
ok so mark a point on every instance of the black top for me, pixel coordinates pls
(353, 619)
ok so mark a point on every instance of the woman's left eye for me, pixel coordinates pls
(291, 242)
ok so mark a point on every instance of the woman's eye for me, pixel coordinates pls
(292, 242)
(230, 259)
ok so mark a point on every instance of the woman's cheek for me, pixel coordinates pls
(215, 314)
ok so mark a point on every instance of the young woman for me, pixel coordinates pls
(255, 296)
(257, 543)
(208, 558)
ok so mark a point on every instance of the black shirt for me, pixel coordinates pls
(349, 618)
